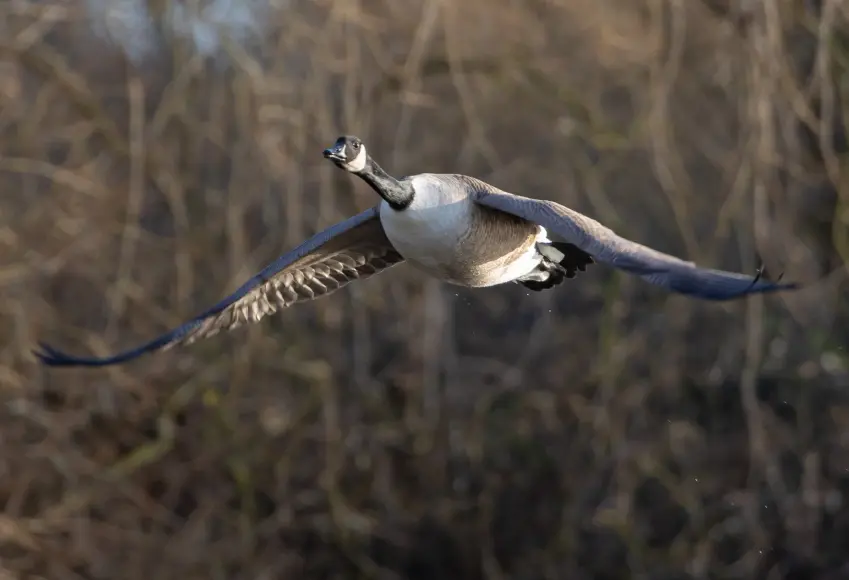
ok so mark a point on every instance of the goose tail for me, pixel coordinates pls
(560, 260)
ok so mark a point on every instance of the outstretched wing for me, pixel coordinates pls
(605, 246)
(356, 248)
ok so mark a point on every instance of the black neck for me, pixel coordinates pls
(398, 194)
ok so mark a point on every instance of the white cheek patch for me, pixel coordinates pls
(359, 162)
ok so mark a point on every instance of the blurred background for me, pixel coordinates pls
(156, 153)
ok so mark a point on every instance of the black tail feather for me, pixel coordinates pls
(561, 260)
(556, 275)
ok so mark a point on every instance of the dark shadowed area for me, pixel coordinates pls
(156, 153)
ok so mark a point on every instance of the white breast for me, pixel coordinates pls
(435, 234)
(428, 231)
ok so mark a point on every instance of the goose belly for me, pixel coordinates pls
(427, 237)
(438, 241)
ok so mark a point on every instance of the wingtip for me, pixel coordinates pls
(761, 283)
(753, 287)
(49, 356)
(771, 287)
(53, 357)
(790, 285)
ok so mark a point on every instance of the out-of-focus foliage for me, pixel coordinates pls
(153, 154)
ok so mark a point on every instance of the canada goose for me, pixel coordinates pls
(454, 227)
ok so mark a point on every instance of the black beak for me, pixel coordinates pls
(333, 155)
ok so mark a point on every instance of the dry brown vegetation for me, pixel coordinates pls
(403, 428)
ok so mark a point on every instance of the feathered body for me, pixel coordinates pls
(458, 241)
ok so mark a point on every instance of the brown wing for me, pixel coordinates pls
(354, 249)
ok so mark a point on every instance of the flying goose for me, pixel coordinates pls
(454, 227)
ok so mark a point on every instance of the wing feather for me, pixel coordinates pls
(354, 249)
(605, 246)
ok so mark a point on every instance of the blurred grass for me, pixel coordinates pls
(401, 428)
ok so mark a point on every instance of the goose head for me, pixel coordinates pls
(348, 153)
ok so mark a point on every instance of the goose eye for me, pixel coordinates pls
(356, 146)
